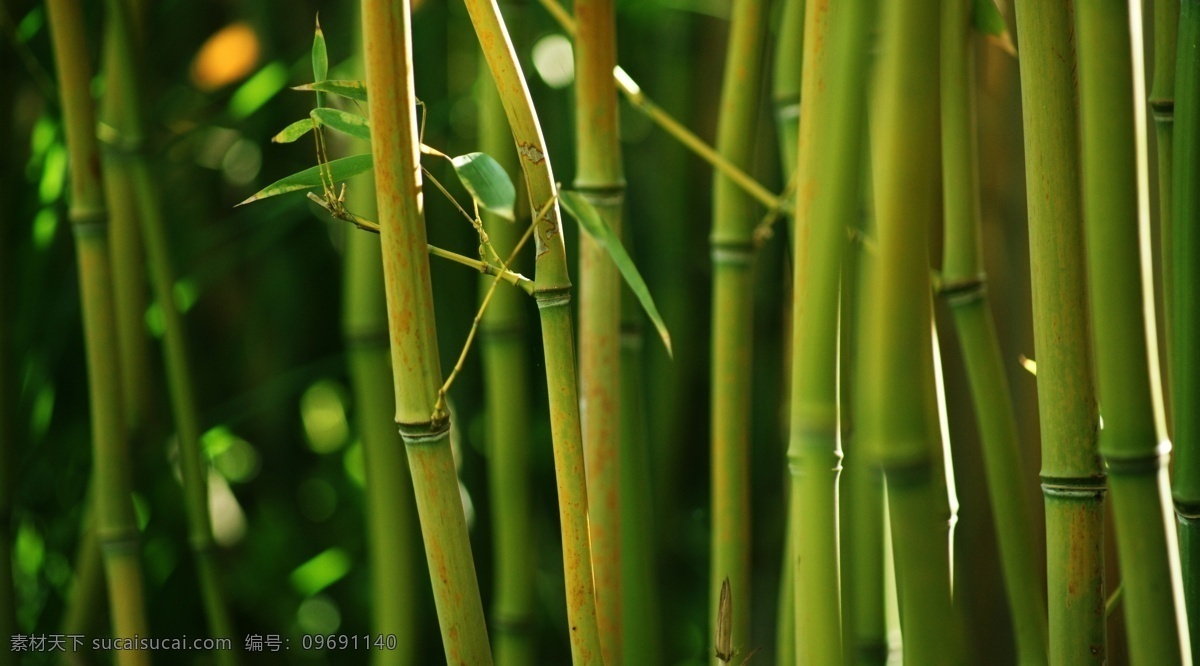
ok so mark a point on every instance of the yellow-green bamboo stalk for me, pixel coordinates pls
(898, 423)
(832, 103)
(1073, 482)
(387, 44)
(600, 179)
(124, 132)
(963, 286)
(392, 524)
(393, 528)
(1133, 437)
(116, 528)
(732, 245)
(1185, 356)
(553, 294)
(507, 387)
(1162, 104)
(786, 78)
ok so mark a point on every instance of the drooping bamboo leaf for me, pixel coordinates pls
(986, 17)
(344, 122)
(320, 59)
(294, 131)
(339, 169)
(487, 182)
(594, 225)
(355, 90)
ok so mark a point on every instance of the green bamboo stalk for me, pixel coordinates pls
(124, 132)
(116, 528)
(507, 388)
(8, 438)
(786, 80)
(1185, 318)
(391, 512)
(898, 424)
(417, 377)
(1162, 104)
(600, 178)
(640, 601)
(553, 294)
(1073, 481)
(832, 101)
(963, 285)
(1133, 438)
(732, 318)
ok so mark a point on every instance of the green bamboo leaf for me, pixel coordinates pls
(355, 90)
(487, 182)
(598, 229)
(293, 131)
(344, 122)
(340, 169)
(986, 17)
(320, 59)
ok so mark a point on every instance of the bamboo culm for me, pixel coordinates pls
(963, 285)
(417, 377)
(600, 178)
(732, 319)
(133, 176)
(552, 291)
(1073, 481)
(116, 528)
(507, 387)
(899, 424)
(1116, 214)
(1185, 317)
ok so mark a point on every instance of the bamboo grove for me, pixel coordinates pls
(513, 332)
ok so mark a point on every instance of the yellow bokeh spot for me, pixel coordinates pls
(229, 55)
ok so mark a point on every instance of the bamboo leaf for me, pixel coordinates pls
(487, 182)
(986, 17)
(340, 169)
(598, 229)
(293, 131)
(723, 643)
(344, 122)
(320, 59)
(355, 90)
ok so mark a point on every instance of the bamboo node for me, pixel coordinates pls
(962, 291)
(730, 252)
(552, 297)
(1139, 464)
(1088, 487)
(425, 432)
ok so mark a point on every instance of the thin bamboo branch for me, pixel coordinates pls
(963, 286)
(387, 44)
(116, 528)
(1133, 438)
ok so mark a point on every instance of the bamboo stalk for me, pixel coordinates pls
(963, 285)
(831, 116)
(553, 294)
(1073, 481)
(1162, 104)
(133, 176)
(8, 439)
(1185, 318)
(899, 424)
(732, 319)
(116, 528)
(507, 388)
(1133, 438)
(786, 82)
(600, 178)
(417, 377)
(392, 523)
